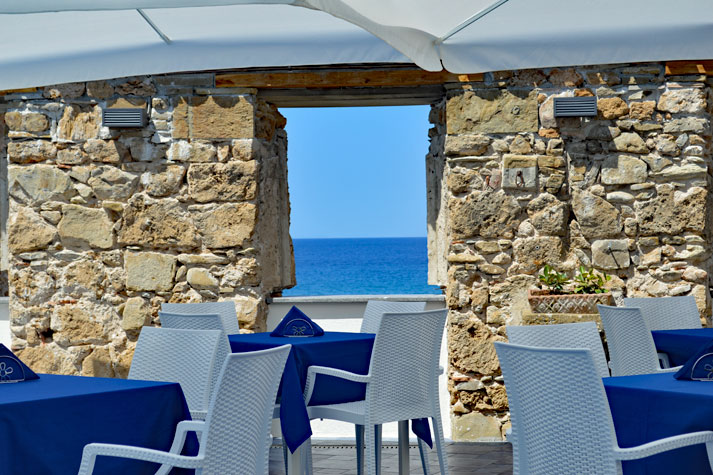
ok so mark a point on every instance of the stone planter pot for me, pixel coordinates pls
(541, 301)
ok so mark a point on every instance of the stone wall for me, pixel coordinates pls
(106, 224)
(627, 192)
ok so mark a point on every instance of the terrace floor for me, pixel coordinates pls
(339, 458)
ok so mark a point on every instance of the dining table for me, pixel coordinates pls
(45, 423)
(649, 407)
(680, 345)
(341, 350)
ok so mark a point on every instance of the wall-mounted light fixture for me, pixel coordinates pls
(575, 106)
(133, 117)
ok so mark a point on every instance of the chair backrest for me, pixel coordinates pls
(201, 322)
(564, 335)
(667, 313)
(631, 346)
(225, 309)
(186, 357)
(240, 414)
(404, 366)
(376, 308)
(561, 419)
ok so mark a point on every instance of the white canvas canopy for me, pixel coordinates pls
(49, 41)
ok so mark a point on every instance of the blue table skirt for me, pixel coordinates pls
(341, 350)
(680, 345)
(653, 406)
(45, 423)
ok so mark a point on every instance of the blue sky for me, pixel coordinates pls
(357, 171)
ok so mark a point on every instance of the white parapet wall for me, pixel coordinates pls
(344, 313)
(5, 321)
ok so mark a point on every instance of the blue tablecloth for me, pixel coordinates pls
(347, 351)
(681, 344)
(45, 423)
(653, 406)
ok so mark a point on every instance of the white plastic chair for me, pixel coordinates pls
(225, 309)
(406, 351)
(200, 322)
(631, 346)
(235, 438)
(563, 424)
(667, 313)
(376, 308)
(186, 357)
(564, 335)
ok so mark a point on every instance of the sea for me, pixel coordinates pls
(361, 266)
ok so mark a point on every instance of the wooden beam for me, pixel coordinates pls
(14, 91)
(679, 68)
(352, 97)
(308, 79)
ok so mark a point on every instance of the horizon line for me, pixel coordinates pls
(366, 237)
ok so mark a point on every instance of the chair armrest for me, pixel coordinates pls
(182, 429)
(669, 370)
(663, 445)
(313, 371)
(91, 451)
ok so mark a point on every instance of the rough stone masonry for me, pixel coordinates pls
(107, 224)
(512, 188)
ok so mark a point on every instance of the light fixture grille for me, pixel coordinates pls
(575, 106)
(133, 117)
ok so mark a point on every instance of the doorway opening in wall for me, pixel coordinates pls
(357, 181)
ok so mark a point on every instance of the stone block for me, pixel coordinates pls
(213, 117)
(686, 100)
(228, 225)
(196, 152)
(492, 111)
(474, 427)
(610, 254)
(106, 151)
(520, 172)
(111, 183)
(32, 122)
(471, 349)
(630, 142)
(672, 212)
(623, 170)
(232, 181)
(39, 183)
(158, 224)
(79, 123)
(27, 231)
(688, 124)
(99, 89)
(642, 110)
(468, 144)
(201, 278)
(149, 271)
(548, 215)
(78, 324)
(612, 108)
(688, 171)
(82, 227)
(535, 252)
(484, 214)
(595, 216)
(136, 314)
(164, 183)
(98, 364)
(31, 152)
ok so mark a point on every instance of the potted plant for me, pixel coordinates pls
(557, 294)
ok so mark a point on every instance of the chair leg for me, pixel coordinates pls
(440, 441)
(377, 448)
(369, 446)
(285, 455)
(306, 459)
(360, 448)
(423, 450)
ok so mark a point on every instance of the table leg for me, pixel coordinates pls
(403, 448)
(298, 460)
